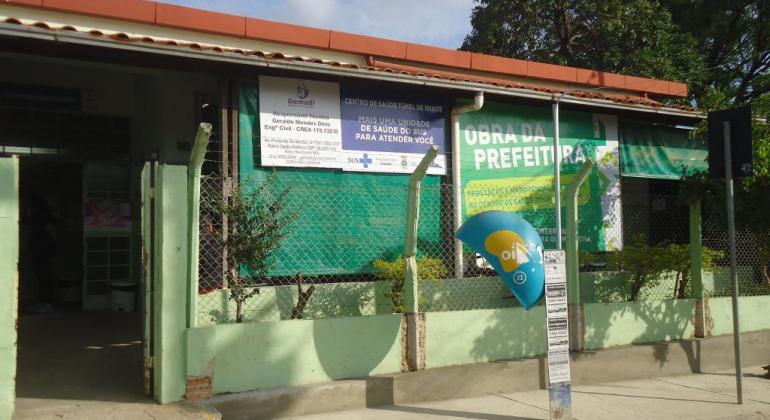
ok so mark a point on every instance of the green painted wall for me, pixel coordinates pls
(9, 280)
(615, 324)
(355, 299)
(170, 283)
(455, 338)
(333, 300)
(753, 314)
(274, 303)
(612, 286)
(266, 355)
(717, 283)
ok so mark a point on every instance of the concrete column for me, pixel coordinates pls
(576, 326)
(415, 341)
(171, 285)
(9, 281)
(575, 307)
(415, 321)
(696, 271)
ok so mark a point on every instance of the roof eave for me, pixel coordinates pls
(361, 73)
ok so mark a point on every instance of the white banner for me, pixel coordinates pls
(299, 123)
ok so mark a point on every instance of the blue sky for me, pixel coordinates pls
(441, 23)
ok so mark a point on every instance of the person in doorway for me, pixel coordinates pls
(43, 235)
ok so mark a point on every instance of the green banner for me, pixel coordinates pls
(506, 163)
(649, 151)
(345, 220)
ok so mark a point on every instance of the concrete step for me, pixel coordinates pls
(463, 381)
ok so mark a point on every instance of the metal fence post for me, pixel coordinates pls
(193, 210)
(411, 292)
(696, 268)
(730, 197)
(573, 263)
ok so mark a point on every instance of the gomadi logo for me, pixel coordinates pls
(301, 99)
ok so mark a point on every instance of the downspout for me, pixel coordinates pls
(573, 267)
(478, 102)
(193, 216)
(557, 171)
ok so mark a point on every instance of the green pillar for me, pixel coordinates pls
(411, 291)
(696, 271)
(696, 249)
(9, 281)
(411, 287)
(193, 211)
(576, 317)
(573, 263)
(171, 285)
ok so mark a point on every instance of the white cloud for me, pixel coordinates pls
(441, 23)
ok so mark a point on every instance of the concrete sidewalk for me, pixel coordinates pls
(701, 396)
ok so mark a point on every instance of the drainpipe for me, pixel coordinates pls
(193, 213)
(414, 320)
(478, 102)
(573, 267)
(557, 170)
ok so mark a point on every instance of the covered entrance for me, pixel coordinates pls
(79, 331)
(81, 139)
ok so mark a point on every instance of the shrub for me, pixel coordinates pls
(428, 269)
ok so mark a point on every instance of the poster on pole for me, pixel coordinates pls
(557, 327)
(299, 123)
(390, 132)
(506, 163)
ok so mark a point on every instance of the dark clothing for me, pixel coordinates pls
(42, 228)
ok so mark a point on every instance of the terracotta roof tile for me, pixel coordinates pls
(374, 64)
(199, 20)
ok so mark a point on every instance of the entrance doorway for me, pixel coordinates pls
(79, 328)
(51, 232)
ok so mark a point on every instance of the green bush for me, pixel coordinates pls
(647, 264)
(428, 269)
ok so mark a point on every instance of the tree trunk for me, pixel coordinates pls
(302, 298)
(683, 286)
(636, 287)
(677, 284)
(239, 310)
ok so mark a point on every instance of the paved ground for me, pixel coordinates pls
(86, 366)
(704, 396)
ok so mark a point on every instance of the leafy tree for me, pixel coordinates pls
(720, 48)
(677, 259)
(645, 262)
(626, 36)
(733, 39)
(752, 195)
(258, 220)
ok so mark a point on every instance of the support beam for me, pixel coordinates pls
(193, 209)
(573, 264)
(411, 291)
(696, 269)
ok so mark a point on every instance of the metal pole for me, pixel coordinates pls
(193, 213)
(557, 171)
(733, 273)
(478, 102)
